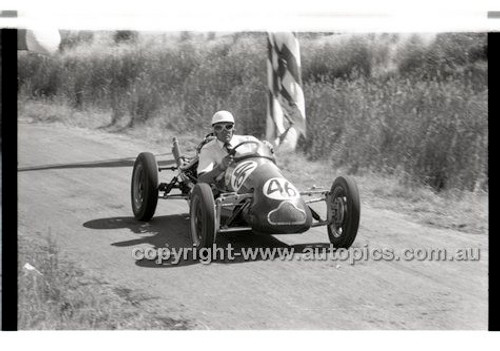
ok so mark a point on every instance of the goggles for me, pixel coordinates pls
(219, 127)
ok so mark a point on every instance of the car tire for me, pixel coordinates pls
(202, 216)
(343, 206)
(144, 187)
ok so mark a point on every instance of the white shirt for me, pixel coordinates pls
(212, 153)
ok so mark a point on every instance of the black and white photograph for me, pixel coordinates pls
(248, 179)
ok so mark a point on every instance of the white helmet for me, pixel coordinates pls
(222, 116)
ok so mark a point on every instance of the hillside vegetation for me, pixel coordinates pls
(412, 106)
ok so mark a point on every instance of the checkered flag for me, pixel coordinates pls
(286, 117)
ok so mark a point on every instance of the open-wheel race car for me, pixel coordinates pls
(251, 195)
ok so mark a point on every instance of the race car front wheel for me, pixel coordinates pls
(144, 189)
(202, 213)
(343, 206)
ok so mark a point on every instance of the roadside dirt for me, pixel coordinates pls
(75, 184)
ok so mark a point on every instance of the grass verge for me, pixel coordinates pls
(55, 294)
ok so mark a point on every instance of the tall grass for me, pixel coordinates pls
(434, 131)
(407, 104)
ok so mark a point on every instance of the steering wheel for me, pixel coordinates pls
(237, 159)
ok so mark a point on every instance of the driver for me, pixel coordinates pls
(214, 156)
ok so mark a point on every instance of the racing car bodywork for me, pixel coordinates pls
(251, 195)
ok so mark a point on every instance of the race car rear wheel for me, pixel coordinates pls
(202, 213)
(144, 189)
(343, 206)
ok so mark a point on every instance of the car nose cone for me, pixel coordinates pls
(287, 213)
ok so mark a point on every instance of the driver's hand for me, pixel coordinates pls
(269, 145)
(226, 161)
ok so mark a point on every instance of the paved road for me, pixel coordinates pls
(74, 183)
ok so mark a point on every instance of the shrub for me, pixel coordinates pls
(71, 39)
(125, 36)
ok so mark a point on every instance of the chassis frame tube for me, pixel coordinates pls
(174, 196)
(227, 200)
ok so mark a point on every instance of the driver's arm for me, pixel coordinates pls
(209, 177)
